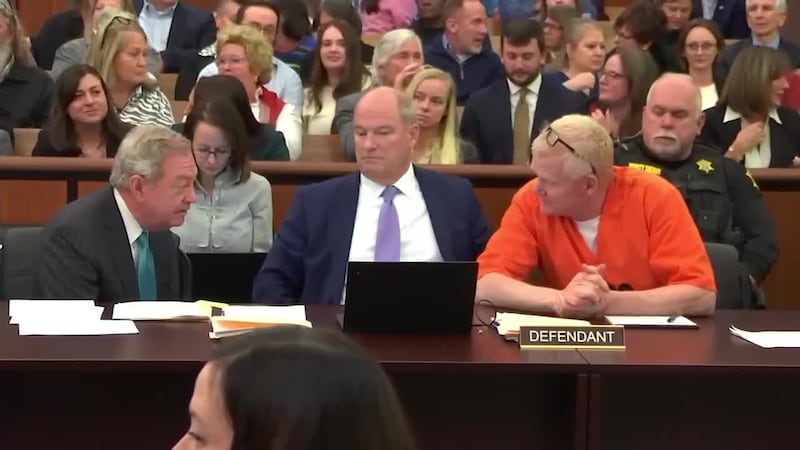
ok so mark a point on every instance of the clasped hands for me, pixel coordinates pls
(586, 295)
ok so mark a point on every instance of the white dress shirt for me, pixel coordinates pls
(285, 82)
(709, 96)
(156, 25)
(709, 6)
(417, 239)
(760, 156)
(532, 97)
(132, 227)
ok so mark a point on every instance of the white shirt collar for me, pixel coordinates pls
(168, 12)
(132, 227)
(731, 115)
(533, 87)
(407, 184)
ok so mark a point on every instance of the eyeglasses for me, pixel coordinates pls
(700, 47)
(117, 19)
(219, 152)
(233, 60)
(552, 138)
(610, 74)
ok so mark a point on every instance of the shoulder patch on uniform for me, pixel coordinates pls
(645, 168)
(705, 166)
(753, 180)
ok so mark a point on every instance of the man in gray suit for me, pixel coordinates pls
(397, 56)
(115, 244)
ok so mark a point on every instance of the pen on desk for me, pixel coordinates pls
(672, 318)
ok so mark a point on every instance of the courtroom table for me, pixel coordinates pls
(471, 391)
(700, 389)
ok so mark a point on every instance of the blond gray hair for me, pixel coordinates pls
(107, 41)
(143, 151)
(257, 49)
(593, 146)
(389, 44)
(780, 5)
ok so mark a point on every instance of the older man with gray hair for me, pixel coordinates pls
(397, 57)
(115, 244)
(608, 240)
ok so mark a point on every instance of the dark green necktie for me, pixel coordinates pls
(145, 268)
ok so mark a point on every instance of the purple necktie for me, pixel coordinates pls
(387, 243)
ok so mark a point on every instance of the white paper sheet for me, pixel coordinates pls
(76, 328)
(769, 339)
(651, 321)
(24, 310)
(510, 323)
(160, 310)
(262, 313)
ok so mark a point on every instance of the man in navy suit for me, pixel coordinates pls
(729, 15)
(175, 29)
(765, 18)
(502, 133)
(434, 217)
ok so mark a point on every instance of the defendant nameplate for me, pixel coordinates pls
(599, 337)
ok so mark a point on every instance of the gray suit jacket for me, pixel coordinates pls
(343, 123)
(86, 255)
(6, 148)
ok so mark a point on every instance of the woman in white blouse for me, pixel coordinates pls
(337, 71)
(233, 211)
(749, 125)
(244, 53)
(118, 51)
(700, 44)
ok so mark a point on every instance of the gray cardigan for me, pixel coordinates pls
(75, 51)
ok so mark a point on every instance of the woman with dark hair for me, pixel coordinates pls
(382, 16)
(266, 143)
(625, 80)
(298, 388)
(294, 42)
(337, 72)
(343, 10)
(233, 210)
(643, 24)
(700, 43)
(748, 123)
(82, 122)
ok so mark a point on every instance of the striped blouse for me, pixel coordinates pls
(147, 105)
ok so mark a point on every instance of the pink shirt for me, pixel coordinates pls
(391, 15)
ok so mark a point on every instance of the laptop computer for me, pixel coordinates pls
(226, 277)
(409, 297)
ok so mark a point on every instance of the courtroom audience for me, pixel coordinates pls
(26, 91)
(556, 25)
(462, 51)
(427, 216)
(297, 388)
(730, 16)
(244, 53)
(265, 17)
(700, 44)
(337, 72)
(75, 51)
(330, 10)
(381, 16)
(115, 243)
(584, 52)
(429, 24)
(608, 240)
(295, 42)
(434, 97)
(677, 13)
(588, 8)
(118, 51)
(83, 123)
(642, 24)
(625, 80)
(233, 210)
(765, 18)
(749, 124)
(397, 55)
(175, 29)
(266, 143)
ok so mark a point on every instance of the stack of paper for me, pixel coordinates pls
(508, 324)
(64, 318)
(652, 321)
(241, 319)
(769, 339)
(162, 310)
